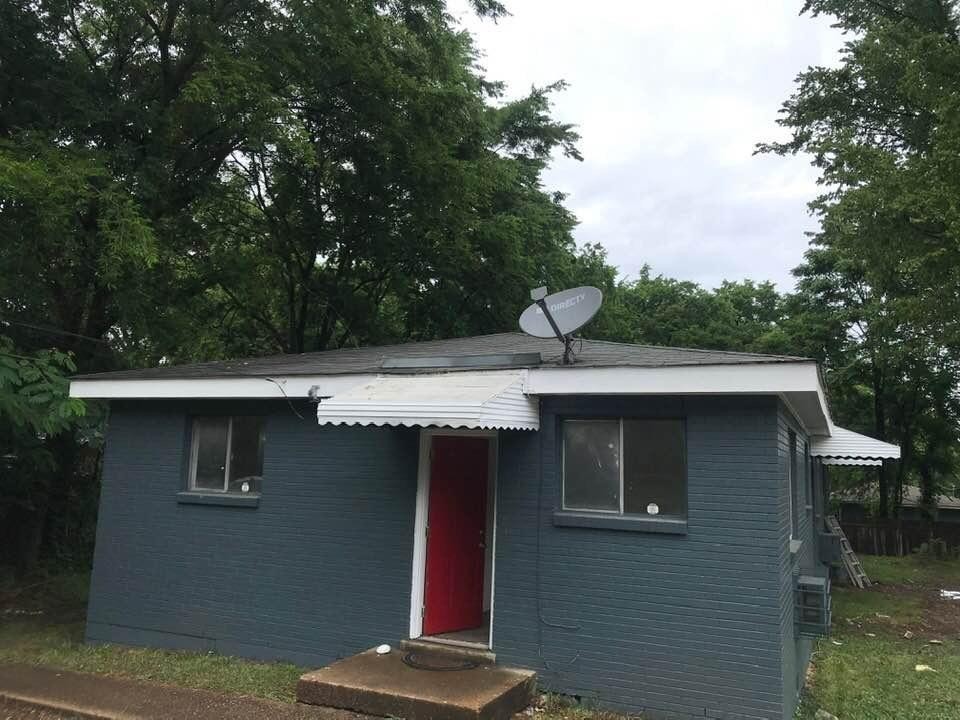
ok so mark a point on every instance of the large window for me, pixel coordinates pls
(226, 454)
(625, 466)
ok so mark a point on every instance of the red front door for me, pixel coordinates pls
(456, 535)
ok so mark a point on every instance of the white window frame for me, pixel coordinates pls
(194, 449)
(620, 465)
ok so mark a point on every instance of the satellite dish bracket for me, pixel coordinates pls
(565, 339)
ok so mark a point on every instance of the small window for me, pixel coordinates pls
(226, 454)
(627, 467)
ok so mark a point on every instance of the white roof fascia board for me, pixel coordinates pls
(791, 381)
(296, 386)
(753, 378)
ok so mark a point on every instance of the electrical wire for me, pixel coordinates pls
(285, 396)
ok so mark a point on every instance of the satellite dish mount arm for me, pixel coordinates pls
(538, 296)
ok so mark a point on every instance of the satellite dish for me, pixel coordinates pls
(570, 309)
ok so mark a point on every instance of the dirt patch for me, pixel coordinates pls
(929, 616)
(940, 617)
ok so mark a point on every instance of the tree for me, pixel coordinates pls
(391, 199)
(883, 129)
(34, 411)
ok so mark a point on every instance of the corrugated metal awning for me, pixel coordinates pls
(488, 400)
(846, 447)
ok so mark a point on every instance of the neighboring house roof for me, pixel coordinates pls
(589, 353)
(846, 447)
(912, 497)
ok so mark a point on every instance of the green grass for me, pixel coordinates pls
(912, 570)
(866, 606)
(55, 638)
(876, 679)
(867, 669)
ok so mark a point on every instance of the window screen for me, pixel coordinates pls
(634, 467)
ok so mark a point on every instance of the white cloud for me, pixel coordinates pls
(670, 100)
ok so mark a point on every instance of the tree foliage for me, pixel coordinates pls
(883, 128)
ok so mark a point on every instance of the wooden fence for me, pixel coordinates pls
(900, 537)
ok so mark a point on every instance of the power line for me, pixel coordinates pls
(55, 331)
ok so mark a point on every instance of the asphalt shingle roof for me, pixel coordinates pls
(592, 353)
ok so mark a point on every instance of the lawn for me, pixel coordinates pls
(867, 669)
(42, 623)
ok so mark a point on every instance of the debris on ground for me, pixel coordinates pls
(824, 715)
(908, 635)
(924, 668)
(950, 594)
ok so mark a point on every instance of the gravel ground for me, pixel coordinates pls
(16, 711)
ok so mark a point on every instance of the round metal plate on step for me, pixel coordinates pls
(437, 662)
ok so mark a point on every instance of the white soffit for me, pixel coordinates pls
(846, 447)
(488, 400)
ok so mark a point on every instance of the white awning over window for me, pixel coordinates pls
(488, 400)
(845, 447)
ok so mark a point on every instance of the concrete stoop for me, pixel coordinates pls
(386, 685)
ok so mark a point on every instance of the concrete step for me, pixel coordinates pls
(481, 656)
(386, 685)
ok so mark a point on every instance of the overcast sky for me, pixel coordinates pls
(670, 100)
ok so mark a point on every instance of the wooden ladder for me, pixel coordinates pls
(851, 563)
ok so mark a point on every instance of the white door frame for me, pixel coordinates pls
(420, 522)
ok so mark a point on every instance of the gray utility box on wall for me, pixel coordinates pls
(812, 606)
(828, 546)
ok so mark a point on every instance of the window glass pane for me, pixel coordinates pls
(246, 455)
(591, 465)
(654, 470)
(210, 436)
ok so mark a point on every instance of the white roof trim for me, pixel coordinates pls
(846, 447)
(487, 400)
(798, 383)
(294, 386)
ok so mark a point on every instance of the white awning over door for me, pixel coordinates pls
(483, 400)
(846, 447)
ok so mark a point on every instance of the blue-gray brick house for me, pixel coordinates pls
(643, 527)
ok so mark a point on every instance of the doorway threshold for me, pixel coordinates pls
(475, 637)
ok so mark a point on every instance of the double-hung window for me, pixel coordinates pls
(226, 454)
(625, 466)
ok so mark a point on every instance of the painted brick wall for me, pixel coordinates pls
(319, 570)
(685, 626)
(796, 650)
